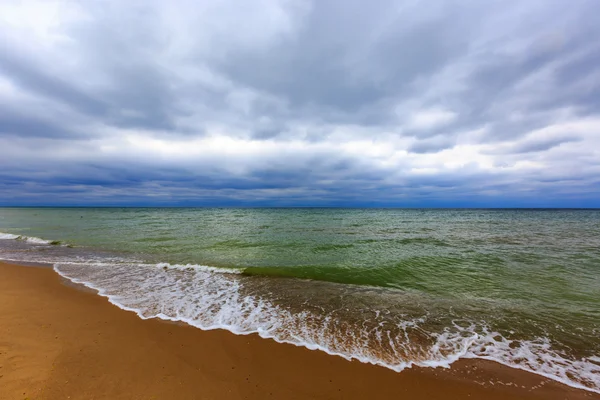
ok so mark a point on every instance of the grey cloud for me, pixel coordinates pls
(433, 145)
(29, 74)
(346, 58)
(532, 146)
(11, 124)
(332, 66)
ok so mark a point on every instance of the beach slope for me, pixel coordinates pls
(59, 342)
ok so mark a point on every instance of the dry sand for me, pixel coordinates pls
(61, 342)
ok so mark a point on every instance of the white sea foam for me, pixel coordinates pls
(535, 356)
(196, 267)
(30, 239)
(200, 297)
(7, 236)
(35, 240)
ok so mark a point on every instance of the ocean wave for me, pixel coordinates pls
(29, 239)
(198, 296)
(7, 236)
(210, 297)
(537, 356)
(196, 267)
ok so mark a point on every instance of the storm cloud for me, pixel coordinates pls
(300, 103)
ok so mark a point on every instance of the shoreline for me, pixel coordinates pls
(57, 340)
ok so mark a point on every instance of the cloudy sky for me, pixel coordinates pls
(297, 102)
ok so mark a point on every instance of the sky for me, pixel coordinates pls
(300, 103)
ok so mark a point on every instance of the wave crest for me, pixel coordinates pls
(29, 239)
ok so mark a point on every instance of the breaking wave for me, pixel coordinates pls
(215, 298)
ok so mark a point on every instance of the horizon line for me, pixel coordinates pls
(307, 207)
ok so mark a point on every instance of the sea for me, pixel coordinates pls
(392, 287)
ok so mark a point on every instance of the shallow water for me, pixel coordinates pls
(391, 287)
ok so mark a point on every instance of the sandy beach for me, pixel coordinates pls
(58, 341)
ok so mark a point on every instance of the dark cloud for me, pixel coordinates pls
(14, 124)
(301, 103)
(346, 57)
(432, 145)
(539, 145)
(29, 75)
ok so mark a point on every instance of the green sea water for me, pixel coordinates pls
(395, 287)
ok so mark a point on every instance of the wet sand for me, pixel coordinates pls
(58, 341)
